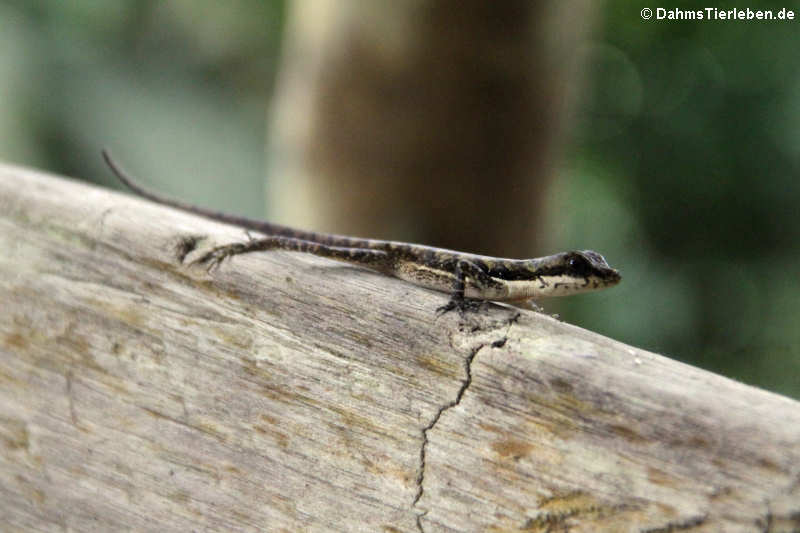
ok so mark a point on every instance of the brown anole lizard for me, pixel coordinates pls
(462, 275)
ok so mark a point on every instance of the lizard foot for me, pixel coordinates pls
(463, 305)
(214, 257)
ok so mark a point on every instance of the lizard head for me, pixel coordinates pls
(574, 272)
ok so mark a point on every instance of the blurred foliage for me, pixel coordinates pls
(177, 87)
(682, 168)
(686, 166)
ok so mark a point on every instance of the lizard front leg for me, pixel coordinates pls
(465, 269)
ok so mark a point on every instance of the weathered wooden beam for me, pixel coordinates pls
(285, 392)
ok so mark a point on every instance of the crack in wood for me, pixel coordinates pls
(499, 343)
(422, 455)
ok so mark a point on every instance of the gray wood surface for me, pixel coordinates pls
(285, 392)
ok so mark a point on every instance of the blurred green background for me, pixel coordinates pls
(681, 166)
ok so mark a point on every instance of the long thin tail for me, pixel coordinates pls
(260, 226)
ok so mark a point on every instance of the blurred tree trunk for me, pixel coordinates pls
(431, 121)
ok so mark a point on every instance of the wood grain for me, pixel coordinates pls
(285, 392)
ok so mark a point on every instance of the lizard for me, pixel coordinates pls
(465, 276)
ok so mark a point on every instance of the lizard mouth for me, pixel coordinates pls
(612, 277)
(565, 285)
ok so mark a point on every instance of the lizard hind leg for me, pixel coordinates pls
(213, 258)
(375, 259)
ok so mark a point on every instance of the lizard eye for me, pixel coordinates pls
(579, 265)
